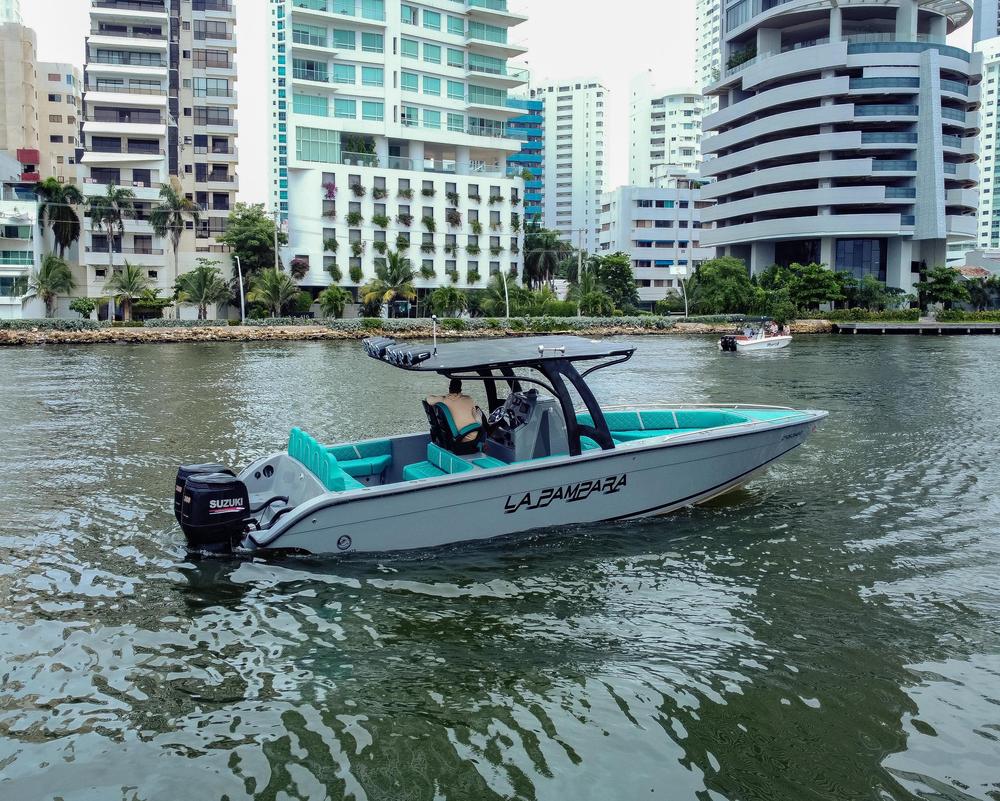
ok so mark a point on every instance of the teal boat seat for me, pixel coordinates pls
(487, 462)
(457, 433)
(647, 433)
(662, 420)
(320, 462)
(359, 459)
(439, 463)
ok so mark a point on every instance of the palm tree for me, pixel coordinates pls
(448, 301)
(333, 299)
(126, 285)
(56, 211)
(543, 250)
(494, 299)
(50, 281)
(108, 213)
(168, 216)
(274, 289)
(203, 285)
(394, 281)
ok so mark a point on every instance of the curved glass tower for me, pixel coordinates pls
(845, 135)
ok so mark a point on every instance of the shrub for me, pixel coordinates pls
(356, 274)
(405, 220)
(959, 316)
(452, 197)
(380, 247)
(474, 197)
(494, 199)
(560, 308)
(453, 324)
(355, 218)
(427, 271)
(335, 272)
(864, 315)
(83, 306)
(671, 303)
(51, 324)
(472, 276)
(358, 190)
(477, 227)
(379, 193)
(427, 192)
(381, 220)
(357, 248)
(405, 193)
(429, 224)
(330, 245)
(402, 242)
(160, 322)
(453, 217)
(472, 250)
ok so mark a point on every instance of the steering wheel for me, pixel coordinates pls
(497, 416)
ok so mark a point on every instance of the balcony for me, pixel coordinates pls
(436, 166)
(131, 149)
(128, 60)
(492, 44)
(160, 37)
(126, 119)
(311, 75)
(223, 6)
(365, 10)
(494, 12)
(150, 7)
(124, 90)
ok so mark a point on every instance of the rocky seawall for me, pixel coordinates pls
(305, 333)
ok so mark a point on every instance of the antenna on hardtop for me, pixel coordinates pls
(434, 323)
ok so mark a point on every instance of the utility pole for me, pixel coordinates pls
(277, 215)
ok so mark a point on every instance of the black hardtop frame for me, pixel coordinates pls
(494, 360)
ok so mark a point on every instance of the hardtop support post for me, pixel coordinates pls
(555, 370)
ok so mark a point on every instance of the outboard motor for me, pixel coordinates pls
(184, 472)
(728, 343)
(215, 508)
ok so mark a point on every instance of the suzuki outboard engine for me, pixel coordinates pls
(184, 472)
(728, 343)
(215, 508)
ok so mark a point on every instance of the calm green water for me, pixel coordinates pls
(831, 632)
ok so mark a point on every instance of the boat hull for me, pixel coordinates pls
(766, 343)
(636, 480)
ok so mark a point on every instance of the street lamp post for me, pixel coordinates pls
(239, 273)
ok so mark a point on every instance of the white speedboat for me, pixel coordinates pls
(535, 463)
(754, 340)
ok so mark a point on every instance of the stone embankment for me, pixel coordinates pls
(306, 333)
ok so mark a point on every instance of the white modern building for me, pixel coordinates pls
(20, 252)
(159, 109)
(707, 56)
(988, 235)
(845, 135)
(575, 174)
(664, 130)
(18, 88)
(660, 229)
(390, 133)
(986, 24)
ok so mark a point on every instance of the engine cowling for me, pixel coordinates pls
(184, 472)
(215, 508)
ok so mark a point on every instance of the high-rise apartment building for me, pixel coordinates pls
(707, 55)
(391, 132)
(159, 100)
(10, 11)
(986, 20)
(844, 136)
(574, 158)
(660, 229)
(988, 232)
(59, 109)
(664, 130)
(529, 129)
(18, 88)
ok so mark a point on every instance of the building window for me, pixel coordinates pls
(409, 48)
(316, 144)
(456, 26)
(432, 86)
(408, 14)
(310, 104)
(372, 42)
(432, 20)
(861, 257)
(409, 81)
(432, 53)
(344, 40)
(372, 110)
(345, 109)
(372, 76)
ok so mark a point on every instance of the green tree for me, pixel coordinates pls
(202, 286)
(808, 285)
(543, 251)
(83, 306)
(618, 281)
(55, 210)
(273, 289)
(448, 301)
(534, 302)
(721, 286)
(492, 301)
(168, 217)
(250, 235)
(597, 304)
(333, 300)
(125, 286)
(866, 292)
(108, 213)
(393, 281)
(50, 281)
(942, 285)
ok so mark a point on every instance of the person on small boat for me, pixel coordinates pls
(464, 410)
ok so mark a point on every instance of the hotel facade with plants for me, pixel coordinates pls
(390, 134)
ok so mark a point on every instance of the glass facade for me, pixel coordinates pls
(861, 257)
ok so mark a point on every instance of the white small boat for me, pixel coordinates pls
(753, 340)
(537, 462)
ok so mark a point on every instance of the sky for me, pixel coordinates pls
(565, 38)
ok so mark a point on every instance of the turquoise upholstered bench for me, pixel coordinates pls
(360, 459)
(320, 462)
(439, 463)
(631, 426)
